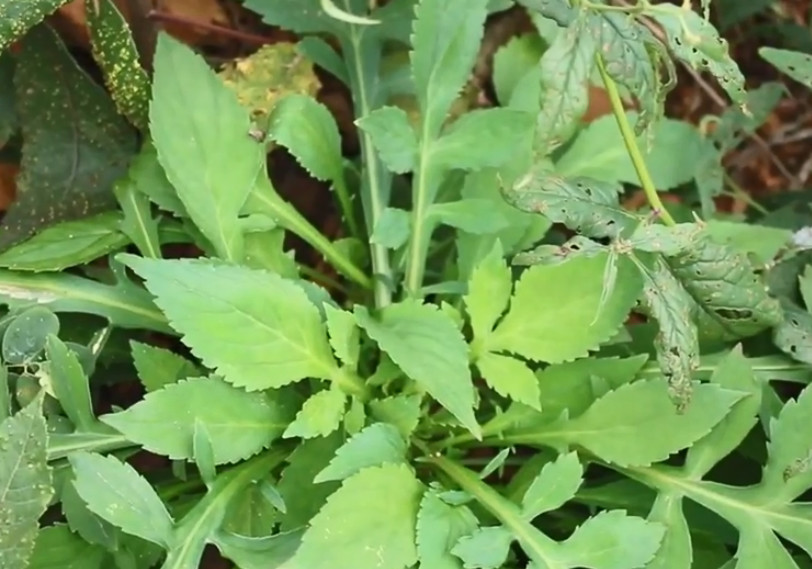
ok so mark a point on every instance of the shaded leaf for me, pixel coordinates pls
(69, 383)
(18, 18)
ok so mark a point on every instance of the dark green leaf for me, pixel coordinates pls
(19, 17)
(69, 383)
(25, 338)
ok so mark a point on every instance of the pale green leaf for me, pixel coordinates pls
(760, 241)
(201, 133)
(239, 423)
(483, 139)
(510, 378)
(428, 347)
(676, 550)
(471, 215)
(307, 129)
(446, 37)
(787, 473)
(513, 61)
(69, 383)
(439, 528)
(570, 317)
(59, 548)
(393, 137)
(612, 540)
(402, 411)
(270, 552)
(66, 244)
(85, 523)
(555, 485)
(149, 177)
(116, 492)
(214, 305)
(347, 529)
(157, 367)
(203, 452)
(25, 483)
(796, 64)
(486, 547)
(320, 415)
(138, 223)
(489, 291)
(377, 444)
(392, 229)
(345, 336)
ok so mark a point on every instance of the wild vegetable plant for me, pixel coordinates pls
(513, 371)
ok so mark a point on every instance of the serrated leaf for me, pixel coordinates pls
(489, 291)
(695, 41)
(611, 427)
(76, 145)
(485, 548)
(445, 38)
(589, 207)
(345, 336)
(66, 244)
(203, 143)
(573, 293)
(612, 540)
(482, 139)
(402, 411)
(393, 137)
(18, 18)
(307, 129)
(667, 240)
(565, 70)
(378, 444)
(320, 415)
(116, 492)
(240, 423)
(157, 367)
(470, 215)
(510, 378)
(69, 383)
(439, 528)
(429, 348)
(555, 485)
(59, 548)
(787, 473)
(25, 483)
(115, 52)
(209, 303)
(85, 523)
(796, 64)
(366, 538)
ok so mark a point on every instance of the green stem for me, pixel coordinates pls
(345, 202)
(421, 227)
(288, 217)
(630, 140)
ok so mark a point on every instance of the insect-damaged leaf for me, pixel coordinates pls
(76, 145)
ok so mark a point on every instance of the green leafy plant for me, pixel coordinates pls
(513, 371)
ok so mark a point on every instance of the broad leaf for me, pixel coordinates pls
(345, 336)
(402, 411)
(158, 367)
(393, 137)
(25, 483)
(486, 547)
(320, 415)
(361, 537)
(378, 444)
(796, 64)
(555, 485)
(210, 303)
(203, 143)
(239, 423)
(439, 528)
(429, 348)
(510, 378)
(117, 493)
(489, 291)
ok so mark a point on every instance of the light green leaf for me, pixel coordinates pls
(270, 552)
(761, 241)
(149, 177)
(555, 485)
(571, 316)
(402, 411)
(66, 244)
(85, 523)
(513, 61)
(345, 336)
(428, 347)
(510, 378)
(486, 547)
(157, 367)
(240, 423)
(138, 223)
(378, 444)
(320, 415)
(25, 483)
(116, 492)
(69, 383)
(612, 540)
(323, 55)
(471, 215)
(439, 528)
(392, 229)
(796, 64)
(565, 70)
(445, 38)
(489, 291)
(393, 137)
(362, 537)
(483, 139)
(611, 427)
(211, 303)
(787, 473)
(203, 452)
(250, 513)
(201, 133)
(59, 548)
(676, 550)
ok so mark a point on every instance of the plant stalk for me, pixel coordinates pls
(630, 140)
